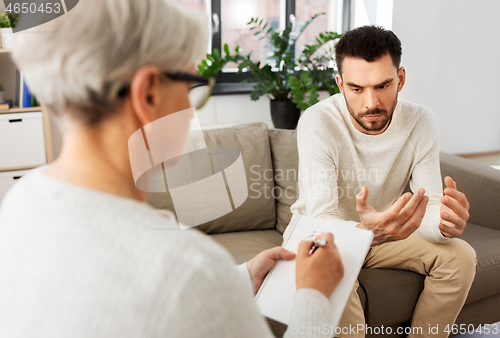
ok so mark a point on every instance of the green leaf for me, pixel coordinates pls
(216, 53)
(210, 58)
(226, 49)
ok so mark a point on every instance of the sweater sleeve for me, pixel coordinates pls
(216, 302)
(427, 174)
(310, 315)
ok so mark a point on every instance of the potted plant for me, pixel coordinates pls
(291, 82)
(2, 94)
(7, 22)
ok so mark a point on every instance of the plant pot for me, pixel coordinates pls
(2, 97)
(7, 38)
(285, 114)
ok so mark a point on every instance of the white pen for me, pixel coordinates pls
(317, 243)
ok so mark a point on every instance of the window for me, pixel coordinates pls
(230, 17)
(373, 12)
(235, 14)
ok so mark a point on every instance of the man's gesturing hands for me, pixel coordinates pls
(397, 222)
(454, 210)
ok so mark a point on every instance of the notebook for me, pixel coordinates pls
(275, 296)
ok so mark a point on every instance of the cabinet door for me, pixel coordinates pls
(21, 140)
(8, 179)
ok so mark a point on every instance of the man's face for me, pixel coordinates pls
(371, 92)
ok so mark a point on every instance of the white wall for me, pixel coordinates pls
(230, 109)
(452, 57)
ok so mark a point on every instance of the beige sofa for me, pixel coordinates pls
(388, 296)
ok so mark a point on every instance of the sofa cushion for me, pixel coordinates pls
(486, 242)
(398, 288)
(245, 245)
(480, 183)
(285, 157)
(256, 212)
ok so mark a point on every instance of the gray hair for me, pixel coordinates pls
(76, 62)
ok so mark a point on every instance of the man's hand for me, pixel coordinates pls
(322, 270)
(259, 266)
(454, 210)
(396, 223)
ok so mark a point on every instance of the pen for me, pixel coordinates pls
(317, 243)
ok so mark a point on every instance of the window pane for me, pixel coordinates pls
(304, 10)
(235, 14)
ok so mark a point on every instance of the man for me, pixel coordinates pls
(357, 152)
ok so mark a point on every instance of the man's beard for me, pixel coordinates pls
(372, 126)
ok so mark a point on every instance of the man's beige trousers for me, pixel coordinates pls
(449, 269)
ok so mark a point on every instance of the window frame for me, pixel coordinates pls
(230, 82)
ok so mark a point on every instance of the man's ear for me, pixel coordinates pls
(145, 94)
(340, 83)
(401, 78)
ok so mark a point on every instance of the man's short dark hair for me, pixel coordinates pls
(369, 43)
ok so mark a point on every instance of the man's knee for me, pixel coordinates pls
(461, 260)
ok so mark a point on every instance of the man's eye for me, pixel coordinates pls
(356, 90)
(382, 87)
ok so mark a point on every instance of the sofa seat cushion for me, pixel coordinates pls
(401, 289)
(244, 245)
(394, 291)
(257, 212)
(486, 242)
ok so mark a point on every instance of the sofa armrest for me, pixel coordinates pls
(481, 185)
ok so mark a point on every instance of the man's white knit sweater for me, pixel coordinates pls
(336, 160)
(77, 263)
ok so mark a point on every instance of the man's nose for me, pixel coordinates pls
(371, 101)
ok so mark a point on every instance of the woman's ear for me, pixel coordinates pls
(145, 94)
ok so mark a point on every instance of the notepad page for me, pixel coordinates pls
(275, 297)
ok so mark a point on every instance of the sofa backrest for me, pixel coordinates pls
(258, 212)
(285, 158)
(271, 162)
(480, 183)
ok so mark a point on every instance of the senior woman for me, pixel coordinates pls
(80, 250)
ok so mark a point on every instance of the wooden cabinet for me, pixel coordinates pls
(25, 138)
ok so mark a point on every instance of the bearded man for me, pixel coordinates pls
(357, 152)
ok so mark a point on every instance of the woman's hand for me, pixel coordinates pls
(259, 266)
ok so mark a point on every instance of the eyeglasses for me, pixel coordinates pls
(199, 92)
